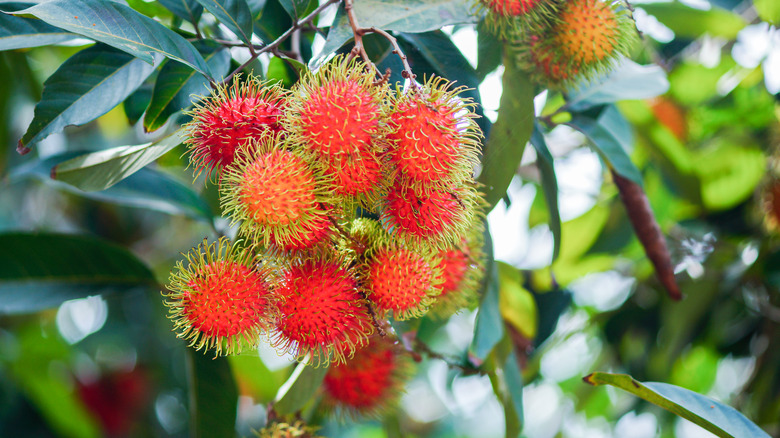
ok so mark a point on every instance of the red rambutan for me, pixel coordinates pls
(221, 300)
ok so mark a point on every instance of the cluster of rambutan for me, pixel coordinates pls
(353, 202)
(563, 41)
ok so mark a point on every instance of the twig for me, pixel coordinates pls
(451, 362)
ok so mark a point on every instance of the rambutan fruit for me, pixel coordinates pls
(221, 300)
(322, 314)
(337, 117)
(551, 67)
(508, 17)
(371, 382)
(298, 429)
(275, 191)
(231, 118)
(434, 139)
(436, 218)
(314, 231)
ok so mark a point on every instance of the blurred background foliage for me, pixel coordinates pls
(709, 155)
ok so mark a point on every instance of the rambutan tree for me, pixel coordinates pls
(299, 218)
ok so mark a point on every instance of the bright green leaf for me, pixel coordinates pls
(688, 22)
(516, 304)
(504, 147)
(176, 84)
(213, 396)
(768, 10)
(299, 388)
(86, 86)
(20, 32)
(544, 161)
(40, 271)
(722, 420)
(188, 10)
(119, 26)
(234, 14)
(729, 174)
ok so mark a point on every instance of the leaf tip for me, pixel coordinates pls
(22, 149)
(53, 173)
(589, 379)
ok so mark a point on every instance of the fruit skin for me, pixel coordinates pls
(322, 314)
(286, 430)
(337, 118)
(371, 382)
(433, 134)
(228, 120)
(221, 300)
(506, 18)
(275, 195)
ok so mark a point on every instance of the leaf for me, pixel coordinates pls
(729, 173)
(40, 271)
(273, 21)
(213, 396)
(135, 105)
(516, 303)
(234, 14)
(119, 26)
(147, 188)
(20, 32)
(399, 16)
(176, 83)
(188, 10)
(722, 420)
(544, 161)
(507, 382)
(295, 8)
(489, 328)
(299, 388)
(611, 136)
(504, 147)
(101, 170)
(86, 86)
(688, 22)
(628, 81)
(488, 51)
(768, 10)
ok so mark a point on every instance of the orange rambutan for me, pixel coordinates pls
(221, 300)
(434, 139)
(337, 118)
(369, 383)
(322, 314)
(275, 191)
(225, 122)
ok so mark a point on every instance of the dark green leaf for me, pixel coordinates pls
(188, 10)
(489, 328)
(19, 32)
(504, 147)
(147, 188)
(40, 271)
(612, 138)
(488, 51)
(273, 22)
(399, 16)
(119, 26)
(234, 14)
(213, 396)
(544, 161)
(101, 170)
(722, 420)
(176, 84)
(688, 22)
(295, 8)
(628, 81)
(299, 388)
(85, 87)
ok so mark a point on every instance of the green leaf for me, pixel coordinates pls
(722, 420)
(688, 22)
(135, 105)
(504, 147)
(628, 81)
(20, 32)
(176, 84)
(729, 173)
(295, 8)
(611, 136)
(516, 303)
(488, 51)
(101, 170)
(85, 87)
(147, 188)
(544, 161)
(507, 382)
(119, 26)
(399, 16)
(768, 10)
(489, 328)
(40, 271)
(188, 10)
(273, 21)
(299, 388)
(213, 396)
(234, 14)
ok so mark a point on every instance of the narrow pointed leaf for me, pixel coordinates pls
(504, 147)
(176, 84)
(234, 14)
(507, 382)
(718, 418)
(40, 271)
(188, 10)
(489, 328)
(119, 26)
(86, 86)
(213, 396)
(20, 32)
(544, 161)
(299, 388)
(101, 170)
